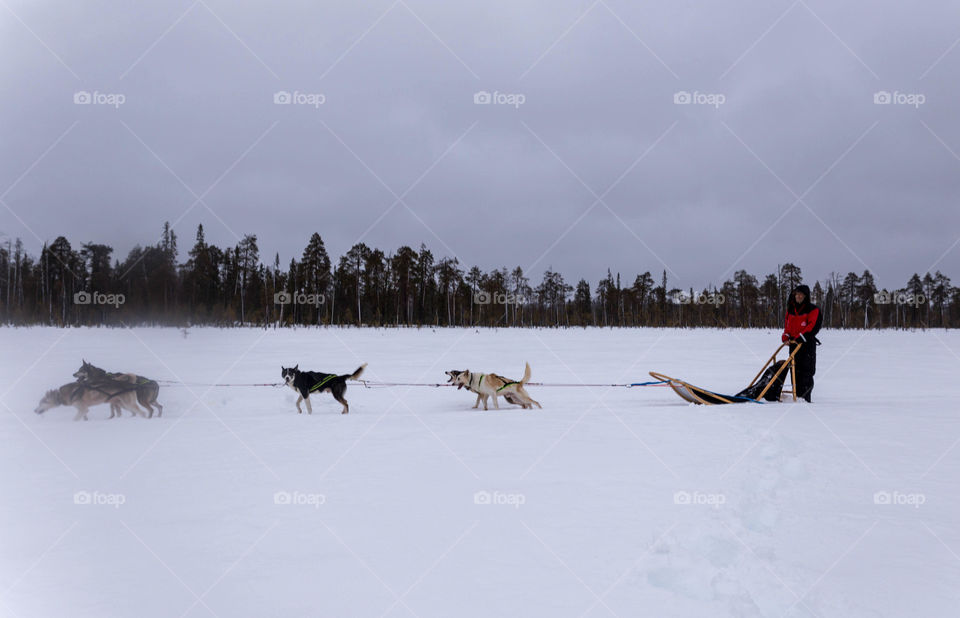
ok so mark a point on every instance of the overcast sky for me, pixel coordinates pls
(782, 153)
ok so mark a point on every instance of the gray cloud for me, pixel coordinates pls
(399, 79)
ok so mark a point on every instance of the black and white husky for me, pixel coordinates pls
(306, 382)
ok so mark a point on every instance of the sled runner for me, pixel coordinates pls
(766, 385)
(694, 394)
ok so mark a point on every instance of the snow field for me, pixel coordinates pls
(608, 502)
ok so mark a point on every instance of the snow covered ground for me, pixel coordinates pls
(608, 502)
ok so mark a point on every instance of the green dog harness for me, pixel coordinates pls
(320, 384)
(480, 383)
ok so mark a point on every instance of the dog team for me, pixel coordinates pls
(128, 391)
(95, 386)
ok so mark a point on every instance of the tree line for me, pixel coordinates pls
(413, 287)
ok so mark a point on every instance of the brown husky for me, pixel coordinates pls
(147, 390)
(83, 396)
(487, 385)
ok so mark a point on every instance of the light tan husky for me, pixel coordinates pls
(84, 396)
(487, 385)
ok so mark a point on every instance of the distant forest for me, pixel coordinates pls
(411, 287)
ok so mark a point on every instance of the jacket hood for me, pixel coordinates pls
(792, 305)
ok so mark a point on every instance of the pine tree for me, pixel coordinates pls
(315, 269)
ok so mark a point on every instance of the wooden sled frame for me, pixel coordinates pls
(695, 394)
(791, 362)
(691, 393)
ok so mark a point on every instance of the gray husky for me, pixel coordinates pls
(147, 390)
(84, 396)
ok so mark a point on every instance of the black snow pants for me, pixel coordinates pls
(806, 362)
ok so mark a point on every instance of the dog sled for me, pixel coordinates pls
(767, 385)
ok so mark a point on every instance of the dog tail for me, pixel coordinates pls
(526, 375)
(356, 374)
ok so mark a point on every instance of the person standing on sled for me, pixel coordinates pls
(801, 326)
